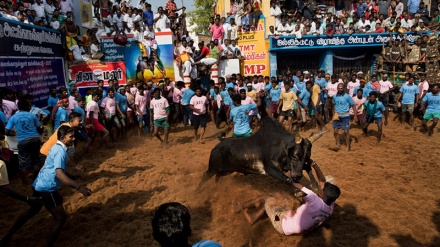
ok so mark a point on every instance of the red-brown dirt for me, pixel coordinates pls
(390, 195)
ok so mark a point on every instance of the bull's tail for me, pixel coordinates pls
(206, 176)
(221, 136)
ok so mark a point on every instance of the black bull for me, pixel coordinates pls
(271, 150)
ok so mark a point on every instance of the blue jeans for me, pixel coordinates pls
(187, 115)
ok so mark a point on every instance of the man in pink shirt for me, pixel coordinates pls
(198, 105)
(72, 102)
(351, 85)
(384, 96)
(307, 217)
(9, 106)
(108, 106)
(177, 97)
(358, 104)
(160, 109)
(92, 110)
(423, 86)
(217, 31)
(140, 102)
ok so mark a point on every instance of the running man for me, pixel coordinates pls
(432, 112)
(341, 115)
(108, 106)
(384, 96)
(47, 184)
(92, 110)
(286, 104)
(373, 113)
(408, 94)
(141, 111)
(240, 117)
(198, 105)
(28, 130)
(160, 109)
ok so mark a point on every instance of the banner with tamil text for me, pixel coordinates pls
(32, 75)
(86, 75)
(253, 47)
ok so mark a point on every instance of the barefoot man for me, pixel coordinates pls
(307, 217)
(198, 105)
(160, 109)
(341, 115)
(373, 112)
(432, 110)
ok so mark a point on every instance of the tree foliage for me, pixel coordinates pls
(200, 16)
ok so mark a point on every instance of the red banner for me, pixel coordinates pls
(86, 75)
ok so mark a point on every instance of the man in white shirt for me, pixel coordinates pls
(118, 21)
(49, 8)
(66, 6)
(226, 27)
(384, 96)
(284, 29)
(128, 20)
(362, 23)
(77, 51)
(39, 9)
(297, 32)
(161, 20)
(275, 11)
(406, 24)
(97, 23)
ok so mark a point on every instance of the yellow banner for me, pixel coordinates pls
(86, 13)
(253, 48)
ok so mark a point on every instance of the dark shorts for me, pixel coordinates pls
(373, 119)
(161, 123)
(273, 107)
(288, 113)
(50, 199)
(29, 153)
(384, 98)
(81, 134)
(267, 103)
(318, 108)
(199, 121)
(342, 123)
(408, 108)
(226, 109)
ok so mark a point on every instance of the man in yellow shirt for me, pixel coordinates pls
(316, 105)
(287, 100)
(75, 123)
(251, 92)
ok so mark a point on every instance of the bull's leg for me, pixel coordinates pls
(272, 170)
(206, 176)
(313, 181)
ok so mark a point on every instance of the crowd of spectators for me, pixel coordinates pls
(298, 18)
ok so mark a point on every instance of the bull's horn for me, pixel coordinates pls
(296, 134)
(315, 137)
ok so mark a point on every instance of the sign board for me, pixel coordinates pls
(86, 75)
(253, 47)
(20, 39)
(336, 41)
(32, 75)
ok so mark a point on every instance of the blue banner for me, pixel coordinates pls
(114, 52)
(32, 75)
(20, 39)
(336, 41)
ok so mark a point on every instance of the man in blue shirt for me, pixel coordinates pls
(373, 113)
(229, 82)
(28, 130)
(47, 183)
(187, 94)
(274, 95)
(121, 109)
(361, 9)
(240, 117)
(53, 99)
(408, 95)
(432, 110)
(148, 15)
(341, 116)
(61, 115)
(413, 6)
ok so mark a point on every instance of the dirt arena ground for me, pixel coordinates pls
(390, 195)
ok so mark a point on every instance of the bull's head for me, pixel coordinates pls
(299, 154)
